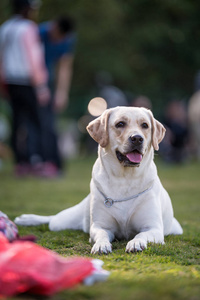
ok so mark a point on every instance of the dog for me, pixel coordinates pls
(127, 199)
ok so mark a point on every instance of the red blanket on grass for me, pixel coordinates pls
(27, 267)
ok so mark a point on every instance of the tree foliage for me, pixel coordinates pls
(150, 47)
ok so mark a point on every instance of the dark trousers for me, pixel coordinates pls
(26, 125)
(34, 136)
(49, 135)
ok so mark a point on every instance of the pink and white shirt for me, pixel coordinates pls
(21, 55)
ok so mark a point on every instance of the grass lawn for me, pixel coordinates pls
(170, 271)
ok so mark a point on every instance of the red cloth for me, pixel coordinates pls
(27, 267)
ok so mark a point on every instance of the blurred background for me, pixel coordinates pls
(145, 48)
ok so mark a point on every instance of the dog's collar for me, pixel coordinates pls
(109, 201)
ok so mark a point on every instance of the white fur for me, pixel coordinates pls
(144, 219)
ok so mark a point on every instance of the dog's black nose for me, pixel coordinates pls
(136, 139)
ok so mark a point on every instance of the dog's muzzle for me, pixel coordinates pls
(132, 157)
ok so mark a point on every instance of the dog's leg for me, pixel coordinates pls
(75, 217)
(176, 228)
(102, 240)
(139, 243)
(32, 220)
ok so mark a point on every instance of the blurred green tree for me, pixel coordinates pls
(150, 47)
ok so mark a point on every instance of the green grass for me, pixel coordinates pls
(170, 271)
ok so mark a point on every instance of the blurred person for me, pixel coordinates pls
(108, 91)
(197, 81)
(174, 146)
(142, 101)
(23, 72)
(5, 151)
(194, 123)
(58, 39)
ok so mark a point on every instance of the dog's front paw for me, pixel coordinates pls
(101, 247)
(135, 245)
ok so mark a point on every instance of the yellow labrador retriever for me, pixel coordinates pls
(127, 199)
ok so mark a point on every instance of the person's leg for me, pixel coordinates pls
(49, 136)
(19, 130)
(26, 137)
(31, 111)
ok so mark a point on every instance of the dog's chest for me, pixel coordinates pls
(123, 213)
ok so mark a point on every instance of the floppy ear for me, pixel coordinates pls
(98, 129)
(158, 132)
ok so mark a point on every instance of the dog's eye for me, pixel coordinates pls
(120, 124)
(145, 125)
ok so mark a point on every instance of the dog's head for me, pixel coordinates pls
(129, 132)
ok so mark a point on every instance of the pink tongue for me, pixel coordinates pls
(134, 157)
